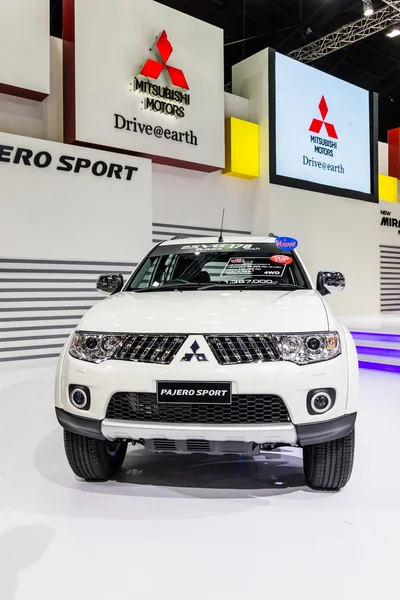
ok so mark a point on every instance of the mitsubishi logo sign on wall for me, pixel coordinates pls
(317, 124)
(322, 134)
(144, 79)
(163, 99)
(163, 49)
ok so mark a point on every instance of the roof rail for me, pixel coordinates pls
(183, 237)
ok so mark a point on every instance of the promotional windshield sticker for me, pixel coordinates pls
(220, 247)
(252, 267)
(286, 243)
(238, 249)
(282, 259)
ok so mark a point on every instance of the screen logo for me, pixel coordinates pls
(317, 124)
(162, 49)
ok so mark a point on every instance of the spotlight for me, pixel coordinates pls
(368, 8)
(393, 32)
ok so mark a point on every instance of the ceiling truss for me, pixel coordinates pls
(350, 33)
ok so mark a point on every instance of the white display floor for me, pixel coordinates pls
(193, 528)
(381, 322)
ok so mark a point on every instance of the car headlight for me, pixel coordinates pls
(304, 349)
(95, 347)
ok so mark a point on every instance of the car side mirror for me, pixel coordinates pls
(110, 284)
(330, 282)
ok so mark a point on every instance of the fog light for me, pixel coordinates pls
(320, 401)
(79, 396)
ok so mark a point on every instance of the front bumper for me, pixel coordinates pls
(284, 379)
(280, 433)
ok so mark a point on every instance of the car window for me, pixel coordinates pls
(204, 265)
(156, 268)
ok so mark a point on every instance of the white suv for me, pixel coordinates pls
(212, 346)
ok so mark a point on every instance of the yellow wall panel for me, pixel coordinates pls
(242, 157)
(388, 188)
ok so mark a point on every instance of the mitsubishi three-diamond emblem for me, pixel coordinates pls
(153, 68)
(317, 124)
(194, 348)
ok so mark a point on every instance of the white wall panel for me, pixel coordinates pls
(25, 55)
(35, 321)
(383, 158)
(250, 80)
(333, 233)
(236, 106)
(189, 198)
(74, 214)
(30, 118)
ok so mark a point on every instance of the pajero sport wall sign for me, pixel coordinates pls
(149, 82)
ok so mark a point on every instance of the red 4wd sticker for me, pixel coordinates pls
(282, 260)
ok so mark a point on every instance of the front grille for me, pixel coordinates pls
(159, 349)
(245, 409)
(238, 349)
(202, 446)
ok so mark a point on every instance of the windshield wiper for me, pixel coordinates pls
(281, 285)
(169, 287)
(217, 286)
(250, 286)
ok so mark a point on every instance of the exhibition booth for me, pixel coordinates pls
(303, 164)
(114, 139)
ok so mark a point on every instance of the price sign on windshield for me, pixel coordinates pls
(252, 267)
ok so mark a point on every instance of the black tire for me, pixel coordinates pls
(328, 466)
(93, 460)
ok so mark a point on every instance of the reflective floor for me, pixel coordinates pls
(193, 527)
(380, 322)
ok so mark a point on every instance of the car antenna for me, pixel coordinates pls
(221, 239)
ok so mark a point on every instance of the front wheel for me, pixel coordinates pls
(328, 466)
(93, 460)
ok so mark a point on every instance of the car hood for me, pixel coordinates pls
(213, 311)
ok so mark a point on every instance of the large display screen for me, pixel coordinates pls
(323, 132)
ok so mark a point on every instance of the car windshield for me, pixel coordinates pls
(218, 265)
